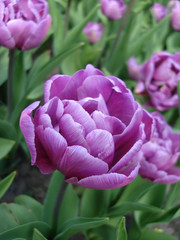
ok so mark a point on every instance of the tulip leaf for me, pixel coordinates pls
(5, 146)
(25, 231)
(139, 186)
(79, 224)
(121, 230)
(19, 79)
(96, 208)
(37, 92)
(75, 32)
(172, 42)
(135, 47)
(3, 65)
(6, 183)
(51, 196)
(50, 65)
(69, 207)
(149, 235)
(127, 207)
(11, 133)
(31, 204)
(173, 195)
(37, 235)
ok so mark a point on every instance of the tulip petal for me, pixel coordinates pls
(38, 34)
(54, 86)
(79, 115)
(27, 128)
(54, 145)
(72, 131)
(77, 162)
(101, 145)
(105, 181)
(6, 39)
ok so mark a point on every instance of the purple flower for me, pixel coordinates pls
(113, 9)
(134, 68)
(174, 6)
(159, 155)
(159, 11)
(93, 31)
(89, 128)
(159, 78)
(23, 23)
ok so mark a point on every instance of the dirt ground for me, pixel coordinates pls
(30, 181)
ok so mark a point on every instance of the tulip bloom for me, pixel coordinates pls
(23, 23)
(89, 128)
(159, 11)
(113, 9)
(93, 31)
(159, 79)
(175, 15)
(134, 68)
(159, 155)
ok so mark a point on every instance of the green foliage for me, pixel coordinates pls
(6, 183)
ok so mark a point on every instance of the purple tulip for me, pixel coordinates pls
(159, 79)
(113, 9)
(159, 11)
(23, 23)
(134, 68)
(175, 15)
(159, 155)
(93, 31)
(89, 129)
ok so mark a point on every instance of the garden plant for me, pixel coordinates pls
(89, 94)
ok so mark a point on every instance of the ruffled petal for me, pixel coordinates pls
(77, 162)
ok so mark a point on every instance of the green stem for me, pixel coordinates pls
(122, 25)
(10, 81)
(58, 204)
(66, 19)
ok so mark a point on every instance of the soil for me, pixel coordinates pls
(31, 182)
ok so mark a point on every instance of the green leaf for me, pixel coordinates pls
(75, 32)
(69, 207)
(136, 189)
(149, 235)
(37, 92)
(135, 48)
(4, 59)
(6, 183)
(19, 79)
(37, 235)
(5, 146)
(11, 133)
(79, 224)
(96, 208)
(121, 230)
(50, 65)
(32, 204)
(25, 231)
(173, 195)
(51, 196)
(127, 207)
(173, 44)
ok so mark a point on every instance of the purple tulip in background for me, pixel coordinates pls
(174, 6)
(159, 11)
(134, 68)
(23, 23)
(113, 9)
(159, 79)
(159, 155)
(93, 31)
(89, 128)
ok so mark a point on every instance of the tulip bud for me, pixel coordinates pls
(159, 11)
(93, 31)
(113, 9)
